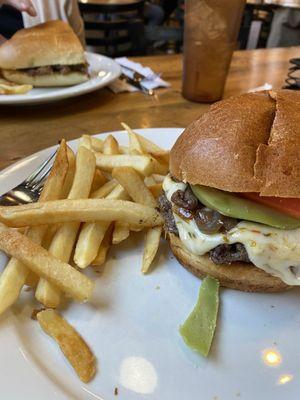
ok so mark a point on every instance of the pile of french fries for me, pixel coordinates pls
(90, 202)
(7, 87)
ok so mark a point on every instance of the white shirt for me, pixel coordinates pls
(66, 10)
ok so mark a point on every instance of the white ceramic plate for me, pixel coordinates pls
(102, 70)
(132, 326)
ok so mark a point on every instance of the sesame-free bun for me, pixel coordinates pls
(51, 80)
(50, 43)
(247, 143)
(240, 276)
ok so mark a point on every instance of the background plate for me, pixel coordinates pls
(132, 326)
(103, 70)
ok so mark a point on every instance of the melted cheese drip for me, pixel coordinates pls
(273, 250)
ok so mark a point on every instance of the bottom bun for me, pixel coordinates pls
(239, 276)
(51, 80)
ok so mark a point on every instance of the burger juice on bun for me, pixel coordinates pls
(231, 202)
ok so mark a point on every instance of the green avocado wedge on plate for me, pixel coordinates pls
(234, 206)
(198, 329)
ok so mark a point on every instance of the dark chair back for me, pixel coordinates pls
(115, 29)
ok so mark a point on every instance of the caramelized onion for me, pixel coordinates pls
(208, 221)
(185, 199)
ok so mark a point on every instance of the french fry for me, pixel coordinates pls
(159, 168)
(146, 144)
(70, 342)
(49, 235)
(40, 261)
(139, 192)
(124, 149)
(53, 186)
(135, 228)
(98, 181)
(61, 247)
(118, 193)
(70, 174)
(158, 178)
(83, 210)
(15, 273)
(142, 163)
(149, 180)
(88, 243)
(164, 158)
(147, 147)
(92, 234)
(104, 248)
(64, 239)
(97, 144)
(84, 171)
(134, 144)
(32, 279)
(110, 145)
(104, 190)
(7, 87)
(155, 190)
(85, 141)
(151, 246)
(134, 185)
(101, 256)
(121, 232)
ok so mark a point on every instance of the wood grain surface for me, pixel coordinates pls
(102, 2)
(281, 3)
(27, 129)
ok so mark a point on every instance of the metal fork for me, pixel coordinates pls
(30, 189)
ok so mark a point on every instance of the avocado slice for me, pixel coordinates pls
(233, 206)
(199, 328)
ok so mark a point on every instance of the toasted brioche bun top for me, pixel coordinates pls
(50, 43)
(248, 143)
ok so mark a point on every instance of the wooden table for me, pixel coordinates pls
(281, 3)
(27, 129)
(105, 2)
(284, 3)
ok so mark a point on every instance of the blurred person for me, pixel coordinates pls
(285, 27)
(18, 14)
(21, 5)
(159, 12)
(153, 13)
(11, 18)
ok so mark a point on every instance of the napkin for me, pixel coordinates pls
(266, 86)
(151, 81)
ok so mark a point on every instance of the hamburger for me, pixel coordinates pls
(46, 55)
(231, 202)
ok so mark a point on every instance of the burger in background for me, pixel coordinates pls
(46, 55)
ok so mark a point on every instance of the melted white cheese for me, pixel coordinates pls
(273, 250)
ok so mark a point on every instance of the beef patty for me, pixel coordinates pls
(188, 206)
(52, 69)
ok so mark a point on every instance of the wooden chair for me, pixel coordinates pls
(256, 24)
(114, 29)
